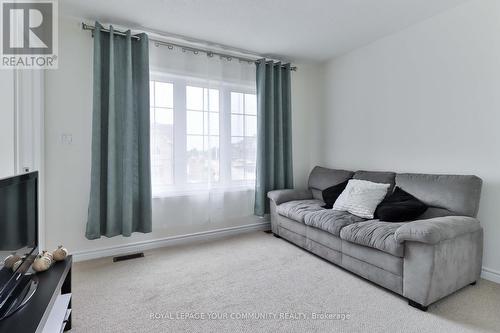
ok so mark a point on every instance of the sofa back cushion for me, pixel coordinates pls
(322, 178)
(458, 194)
(444, 194)
(381, 177)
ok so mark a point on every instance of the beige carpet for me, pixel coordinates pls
(256, 274)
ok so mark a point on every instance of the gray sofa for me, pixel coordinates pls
(423, 260)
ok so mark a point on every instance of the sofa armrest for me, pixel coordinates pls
(281, 196)
(432, 231)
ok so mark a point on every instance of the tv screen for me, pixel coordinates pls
(18, 223)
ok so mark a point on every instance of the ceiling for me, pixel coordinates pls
(307, 30)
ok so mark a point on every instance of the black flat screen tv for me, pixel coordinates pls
(18, 229)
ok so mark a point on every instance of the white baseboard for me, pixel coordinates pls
(490, 275)
(168, 241)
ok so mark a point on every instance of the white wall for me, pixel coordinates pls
(307, 103)
(68, 110)
(7, 123)
(426, 99)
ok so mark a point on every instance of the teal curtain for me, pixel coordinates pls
(274, 132)
(120, 194)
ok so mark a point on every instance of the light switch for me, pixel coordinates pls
(66, 139)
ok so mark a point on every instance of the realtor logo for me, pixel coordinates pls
(29, 34)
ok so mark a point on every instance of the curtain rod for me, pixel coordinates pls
(170, 45)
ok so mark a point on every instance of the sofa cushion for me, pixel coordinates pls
(375, 234)
(331, 221)
(457, 193)
(297, 209)
(381, 177)
(322, 178)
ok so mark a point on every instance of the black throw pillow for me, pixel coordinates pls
(331, 194)
(400, 206)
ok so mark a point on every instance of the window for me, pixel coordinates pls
(243, 136)
(201, 135)
(202, 130)
(162, 132)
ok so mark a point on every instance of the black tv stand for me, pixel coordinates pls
(43, 308)
(21, 295)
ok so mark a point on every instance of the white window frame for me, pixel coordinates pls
(181, 186)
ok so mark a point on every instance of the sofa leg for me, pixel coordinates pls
(276, 235)
(473, 283)
(417, 305)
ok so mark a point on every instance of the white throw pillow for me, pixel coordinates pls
(361, 197)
